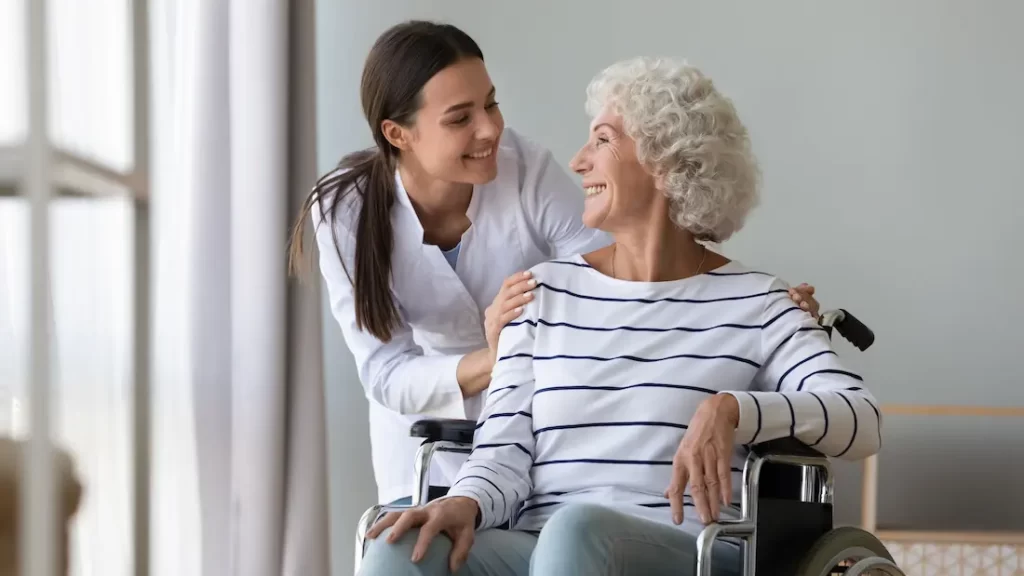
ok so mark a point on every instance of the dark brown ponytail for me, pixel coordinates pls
(401, 62)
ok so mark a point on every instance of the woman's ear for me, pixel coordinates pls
(396, 134)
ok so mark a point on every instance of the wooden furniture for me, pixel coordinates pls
(941, 552)
(12, 454)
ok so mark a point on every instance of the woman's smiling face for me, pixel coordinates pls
(618, 189)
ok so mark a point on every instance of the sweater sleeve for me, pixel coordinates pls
(804, 391)
(497, 472)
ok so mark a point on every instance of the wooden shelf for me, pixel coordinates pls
(936, 537)
(948, 410)
(869, 506)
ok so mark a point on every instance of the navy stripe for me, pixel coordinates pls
(780, 315)
(611, 461)
(546, 494)
(485, 493)
(824, 410)
(827, 371)
(660, 300)
(525, 509)
(854, 437)
(648, 360)
(878, 416)
(491, 394)
(504, 415)
(604, 461)
(713, 273)
(792, 416)
(516, 444)
(504, 504)
(628, 387)
(798, 331)
(798, 364)
(550, 324)
(753, 440)
(609, 425)
(544, 322)
(475, 463)
(510, 357)
(564, 263)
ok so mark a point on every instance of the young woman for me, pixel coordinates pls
(423, 239)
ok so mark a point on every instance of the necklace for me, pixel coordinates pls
(615, 250)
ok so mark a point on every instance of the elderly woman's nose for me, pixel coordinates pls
(580, 163)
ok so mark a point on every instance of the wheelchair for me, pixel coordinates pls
(785, 526)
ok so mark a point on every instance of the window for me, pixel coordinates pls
(98, 185)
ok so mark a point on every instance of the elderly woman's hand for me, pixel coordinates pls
(803, 295)
(455, 517)
(704, 459)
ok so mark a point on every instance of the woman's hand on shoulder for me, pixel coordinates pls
(803, 296)
(704, 459)
(515, 292)
(454, 517)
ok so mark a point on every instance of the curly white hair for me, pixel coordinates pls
(688, 136)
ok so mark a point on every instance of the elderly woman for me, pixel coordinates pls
(622, 400)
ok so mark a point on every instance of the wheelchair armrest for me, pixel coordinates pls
(785, 447)
(444, 429)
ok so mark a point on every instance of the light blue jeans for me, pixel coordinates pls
(578, 540)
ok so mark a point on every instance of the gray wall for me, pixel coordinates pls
(889, 135)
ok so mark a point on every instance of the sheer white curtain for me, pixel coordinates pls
(238, 461)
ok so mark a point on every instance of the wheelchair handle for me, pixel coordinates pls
(855, 331)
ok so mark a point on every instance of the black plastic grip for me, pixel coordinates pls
(855, 331)
(448, 430)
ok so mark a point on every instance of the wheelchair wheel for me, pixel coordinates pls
(851, 552)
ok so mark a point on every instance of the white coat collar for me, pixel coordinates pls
(403, 200)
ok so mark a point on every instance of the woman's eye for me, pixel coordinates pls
(601, 140)
(491, 106)
(460, 120)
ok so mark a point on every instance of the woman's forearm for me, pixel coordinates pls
(474, 372)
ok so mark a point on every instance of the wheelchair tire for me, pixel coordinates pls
(844, 544)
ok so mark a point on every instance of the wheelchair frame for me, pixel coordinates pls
(777, 474)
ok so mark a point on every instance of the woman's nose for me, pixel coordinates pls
(580, 163)
(487, 129)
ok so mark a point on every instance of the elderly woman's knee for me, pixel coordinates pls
(577, 527)
(383, 558)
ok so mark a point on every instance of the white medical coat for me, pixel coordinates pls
(529, 214)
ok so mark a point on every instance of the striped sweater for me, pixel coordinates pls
(595, 384)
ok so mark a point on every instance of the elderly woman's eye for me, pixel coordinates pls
(601, 140)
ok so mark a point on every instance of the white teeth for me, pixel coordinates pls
(481, 155)
(594, 190)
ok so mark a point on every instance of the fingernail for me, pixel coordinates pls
(529, 295)
(677, 518)
(527, 274)
(704, 518)
(519, 310)
(532, 282)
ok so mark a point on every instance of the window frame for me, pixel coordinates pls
(41, 173)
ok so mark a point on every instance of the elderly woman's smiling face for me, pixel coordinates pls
(619, 190)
